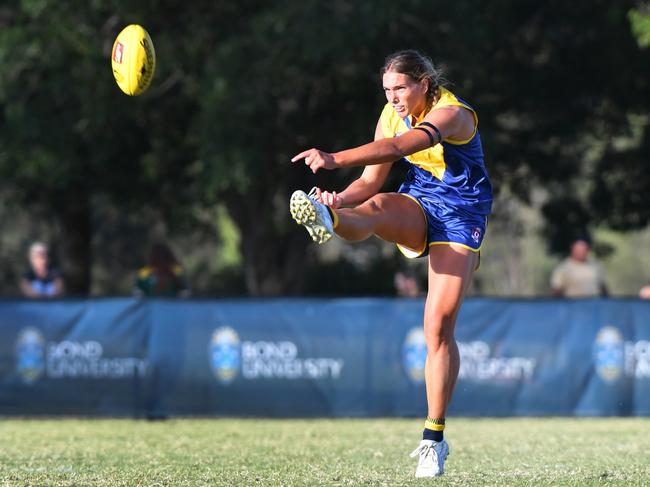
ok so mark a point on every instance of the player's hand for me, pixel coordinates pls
(332, 199)
(316, 159)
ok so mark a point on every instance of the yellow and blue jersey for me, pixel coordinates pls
(449, 180)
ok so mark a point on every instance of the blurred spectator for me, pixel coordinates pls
(164, 276)
(406, 284)
(579, 275)
(644, 292)
(41, 280)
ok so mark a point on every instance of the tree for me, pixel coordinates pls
(70, 136)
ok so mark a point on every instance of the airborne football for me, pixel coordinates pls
(133, 60)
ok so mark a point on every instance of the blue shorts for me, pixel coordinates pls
(447, 224)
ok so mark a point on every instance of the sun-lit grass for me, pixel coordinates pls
(266, 452)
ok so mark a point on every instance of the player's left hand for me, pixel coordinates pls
(331, 199)
(316, 159)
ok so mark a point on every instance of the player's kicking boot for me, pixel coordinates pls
(432, 456)
(313, 214)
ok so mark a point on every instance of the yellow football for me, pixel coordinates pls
(133, 60)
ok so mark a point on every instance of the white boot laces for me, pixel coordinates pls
(425, 449)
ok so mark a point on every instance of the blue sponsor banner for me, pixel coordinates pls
(319, 357)
(272, 358)
(73, 357)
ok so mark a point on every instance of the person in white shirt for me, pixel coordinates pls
(579, 275)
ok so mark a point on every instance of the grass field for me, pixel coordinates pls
(263, 452)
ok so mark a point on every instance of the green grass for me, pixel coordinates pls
(264, 452)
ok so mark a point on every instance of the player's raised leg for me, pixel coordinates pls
(391, 216)
(450, 272)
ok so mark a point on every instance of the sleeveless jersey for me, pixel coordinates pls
(453, 172)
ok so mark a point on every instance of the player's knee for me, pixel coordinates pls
(378, 202)
(438, 331)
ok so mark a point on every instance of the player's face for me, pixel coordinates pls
(407, 96)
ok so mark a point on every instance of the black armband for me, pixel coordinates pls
(435, 129)
(431, 141)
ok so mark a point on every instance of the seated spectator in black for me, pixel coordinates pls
(164, 276)
(41, 280)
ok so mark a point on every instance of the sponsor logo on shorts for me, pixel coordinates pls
(117, 52)
(476, 234)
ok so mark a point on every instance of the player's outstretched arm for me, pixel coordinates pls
(449, 121)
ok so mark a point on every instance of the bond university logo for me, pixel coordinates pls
(615, 358)
(265, 359)
(30, 354)
(414, 354)
(482, 361)
(225, 354)
(70, 359)
(479, 362)
(609, 353)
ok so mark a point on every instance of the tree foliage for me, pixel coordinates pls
(561, 92)
(640, 21)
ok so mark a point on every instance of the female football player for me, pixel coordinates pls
(440, 210)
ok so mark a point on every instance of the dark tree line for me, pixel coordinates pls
(561, 90)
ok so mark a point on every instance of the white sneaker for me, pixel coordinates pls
(432, 458)
(313, 214)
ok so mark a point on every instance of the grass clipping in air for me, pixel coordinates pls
(188, 452)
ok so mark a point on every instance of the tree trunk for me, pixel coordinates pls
(274, 269)
(76, 221)
(273, 259)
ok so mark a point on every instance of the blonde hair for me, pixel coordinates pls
(37, 247)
